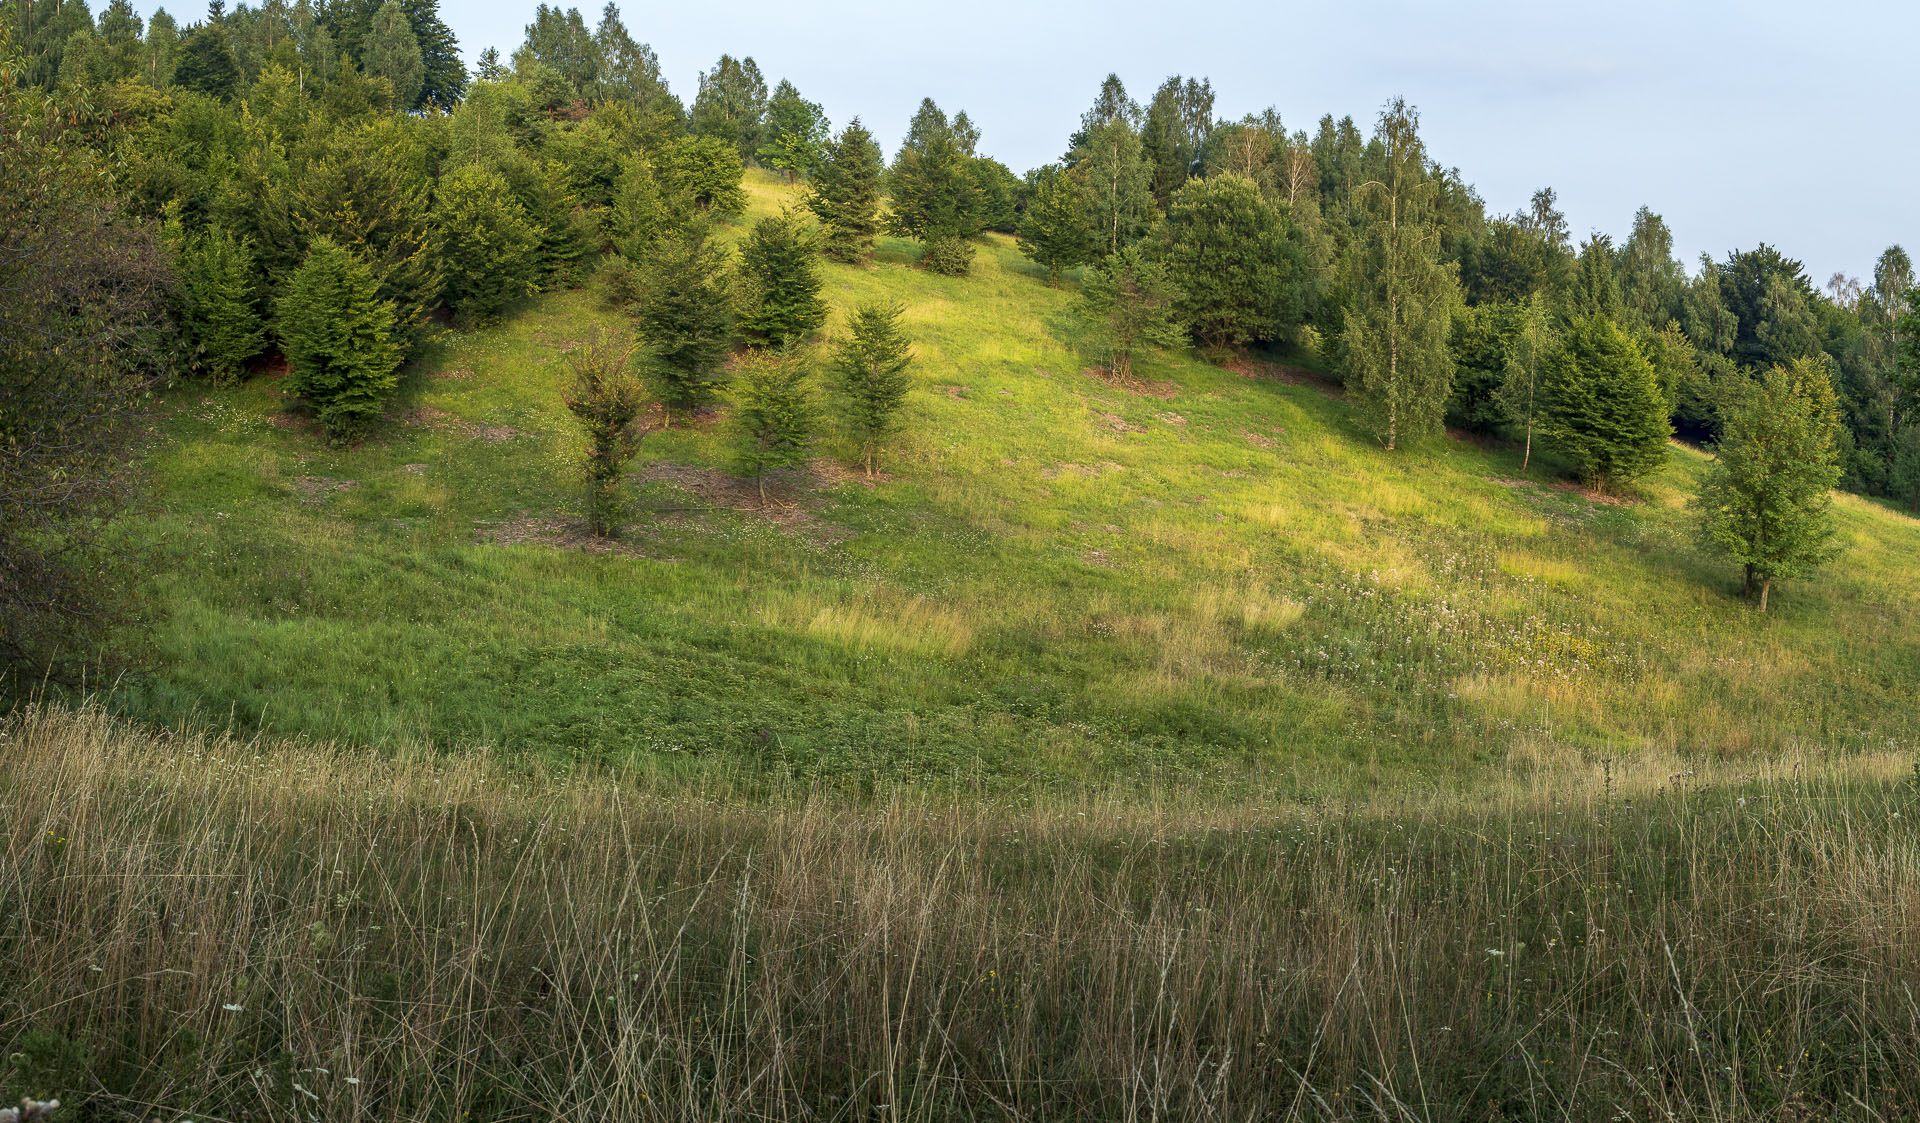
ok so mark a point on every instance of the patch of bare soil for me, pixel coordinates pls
(316, 489)
(1098, 557)
(1118, 423)
(1078, 471)
(1595, 495)
(432, 417)
(304, 424)
(957, 393)
(1133, 384)
(1171, 418)
(565, 534)
(1263, 371)
(1267, 444)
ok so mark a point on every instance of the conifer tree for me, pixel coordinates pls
(160, 52)
(1398, 366)
(846, 194)
(1596, 290)
(936, 199)
(1767, 502)
(219, 314)
(606, 396)
(686, 317)
(782, 282)
(1236, 259)
(795, 133)
(1600, 406)
(1054, 232)
(369, 191)
(337, 333)
(205, 63)
(487, 248)
(1130, 304)
(774, 415)
(393, 52)
(870, 375)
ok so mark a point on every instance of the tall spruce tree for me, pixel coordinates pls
(846, 194)
(337, 333)
(782, 282)
(1600, 406)
(686, 317)
(870, 375)
(1398, 366)
(1767, 502)
(936, 199)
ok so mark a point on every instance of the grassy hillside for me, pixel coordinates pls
(1206, 577)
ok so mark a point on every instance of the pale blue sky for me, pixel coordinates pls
(1740, 122)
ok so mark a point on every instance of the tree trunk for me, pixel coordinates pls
(1528, 453)
(1766, 585)
(869, 460)
(760, 481)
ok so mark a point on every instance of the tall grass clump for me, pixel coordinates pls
(198, 927)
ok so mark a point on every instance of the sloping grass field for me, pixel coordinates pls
(1210, 577)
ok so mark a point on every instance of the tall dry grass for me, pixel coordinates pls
(199, 928)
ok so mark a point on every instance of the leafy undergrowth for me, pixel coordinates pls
(1207, 577)
(203, 928)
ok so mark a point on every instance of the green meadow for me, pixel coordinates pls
(1210, 577)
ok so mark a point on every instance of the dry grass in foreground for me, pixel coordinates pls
(199, 928)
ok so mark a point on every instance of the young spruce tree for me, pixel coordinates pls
(870, 375)
(218, 313)
(782, 282)
(774, 415)
(686, 317)
(1600, 407)
(1768, 502)
(1130, 304)
(846, 194)
(338, 337)
(488, 249)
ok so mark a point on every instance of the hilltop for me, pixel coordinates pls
(1210, 575)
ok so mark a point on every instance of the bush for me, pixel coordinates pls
(948, 255)
(605, 396)
(338, 338)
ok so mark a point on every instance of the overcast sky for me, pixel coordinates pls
(1740, 122)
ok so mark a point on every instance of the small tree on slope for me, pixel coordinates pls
(870, 375)
(1767, 502)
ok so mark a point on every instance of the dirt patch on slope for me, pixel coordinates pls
(1133, 384)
